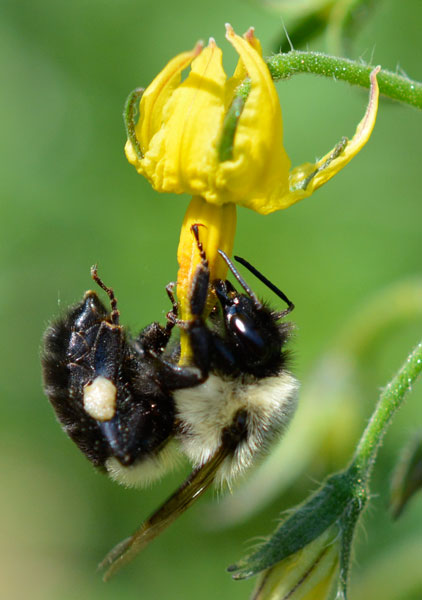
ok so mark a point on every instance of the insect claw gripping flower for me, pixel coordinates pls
(183, 143)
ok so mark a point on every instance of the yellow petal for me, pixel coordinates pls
(240, 72)
(307, 178)
(181, 156)
(157, 94)
(258, 171)
(154, 99)
(249, 36)
(217, 226)
(362, 135)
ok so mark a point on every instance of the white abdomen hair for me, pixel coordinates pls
(148, 470)
(204, 411)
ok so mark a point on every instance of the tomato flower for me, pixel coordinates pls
(181, 125)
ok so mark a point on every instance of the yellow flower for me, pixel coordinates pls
(309, 574)
(183, 144)
(181, 124)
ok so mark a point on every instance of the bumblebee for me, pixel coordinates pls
(113, 395)
(244, 397)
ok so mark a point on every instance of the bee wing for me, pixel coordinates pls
(195, 485)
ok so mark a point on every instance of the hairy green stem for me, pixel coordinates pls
(390, 401)
(397, 87)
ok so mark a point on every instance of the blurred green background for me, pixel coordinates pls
(70, 199)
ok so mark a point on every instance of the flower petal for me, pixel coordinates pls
(258, 172)
(181, 156)
(307, 178)
(154, 99)
(240, 72)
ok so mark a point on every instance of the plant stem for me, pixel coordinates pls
(397, 87)
(390, 400)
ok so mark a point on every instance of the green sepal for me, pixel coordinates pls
(225, 147)
(308, 522)
(231, 119)
(347, 523)
(129, 115)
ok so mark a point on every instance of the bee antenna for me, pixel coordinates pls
(269, 284)
(115, 314)
(240, 279)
